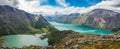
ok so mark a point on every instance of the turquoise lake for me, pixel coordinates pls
(80, 29)
(25, 40)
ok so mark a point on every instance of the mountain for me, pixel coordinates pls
(15, 21)
(74, 14)
(97, 18)
(102, 19)
(63, 18)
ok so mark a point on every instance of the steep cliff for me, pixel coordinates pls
(15, 21)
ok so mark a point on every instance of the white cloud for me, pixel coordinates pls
(62, 3)
(49, 10)
(108, 4)
(34, 6)
(12, 3)
(29, 6)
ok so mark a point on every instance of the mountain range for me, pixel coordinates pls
(63, 18)
(97, 18)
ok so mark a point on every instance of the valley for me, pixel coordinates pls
(58, 28)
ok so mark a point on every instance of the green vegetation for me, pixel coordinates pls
(115, 30)
(53, 37)
(1, 40)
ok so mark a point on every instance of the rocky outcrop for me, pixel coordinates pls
(102, 19)
(41, 23)
(14, 21)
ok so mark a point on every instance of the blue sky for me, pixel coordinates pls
(76, 3)
(51, 7)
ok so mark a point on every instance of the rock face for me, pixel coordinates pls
(41, 23)
(13, 21)
(101, 18)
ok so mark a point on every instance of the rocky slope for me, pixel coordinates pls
(101, 18)
(15, 21)
(88, 41)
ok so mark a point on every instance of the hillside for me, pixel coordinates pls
(15, 21)
(102, 19)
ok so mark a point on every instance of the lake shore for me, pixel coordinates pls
(80, 29)
(23, 40)
(72, 40)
